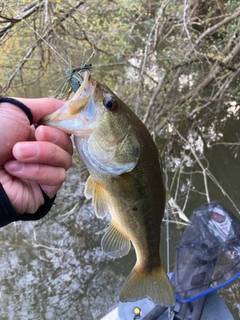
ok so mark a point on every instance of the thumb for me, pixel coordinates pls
(41, 107)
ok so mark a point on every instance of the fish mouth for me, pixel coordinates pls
(73, 116)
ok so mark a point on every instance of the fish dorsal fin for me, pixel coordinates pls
(114, 243)
(99, 197)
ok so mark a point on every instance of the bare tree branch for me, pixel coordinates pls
(214, 28)
(24, 14)
(41, 39)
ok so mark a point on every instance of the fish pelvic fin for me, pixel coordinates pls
(100, 199)
(114, 243)
(154, 286)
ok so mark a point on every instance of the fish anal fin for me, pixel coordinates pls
(154, 285)
(100, 199)
(114, 243)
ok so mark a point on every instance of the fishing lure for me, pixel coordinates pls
(72, 82)
(75, 76)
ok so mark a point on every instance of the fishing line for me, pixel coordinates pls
(18, 15)
(168, 253)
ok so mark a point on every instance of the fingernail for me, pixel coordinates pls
(14, 166)
(25, 150)
(47, 134)
(41, 132)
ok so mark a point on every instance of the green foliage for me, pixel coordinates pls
(136, 44)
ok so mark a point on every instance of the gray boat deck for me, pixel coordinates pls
(214, 309)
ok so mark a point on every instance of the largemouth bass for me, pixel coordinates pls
(125, 180)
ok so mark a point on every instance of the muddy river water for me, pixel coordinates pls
(55, 268)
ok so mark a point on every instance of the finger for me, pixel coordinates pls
(50, 190)
(14, 127)
(42, 152)
(40, 173)
(41, 107)
(25, 195)
(56, 136)
(32, 134)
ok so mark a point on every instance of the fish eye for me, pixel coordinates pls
(110, 103)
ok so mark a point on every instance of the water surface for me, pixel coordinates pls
(55, 268)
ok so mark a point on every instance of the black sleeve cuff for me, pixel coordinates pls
(8, 214)
(20, 105)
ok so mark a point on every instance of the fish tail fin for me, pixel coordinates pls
(154, 285)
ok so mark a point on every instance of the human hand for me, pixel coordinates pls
(32, 159)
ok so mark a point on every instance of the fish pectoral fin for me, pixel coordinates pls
(99, 197)
(154, 285)
(114, 243)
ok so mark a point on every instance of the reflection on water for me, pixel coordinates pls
(55, 269)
